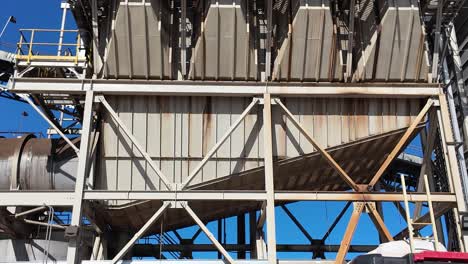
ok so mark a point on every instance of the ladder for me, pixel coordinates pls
(410, 221)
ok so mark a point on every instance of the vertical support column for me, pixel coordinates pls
(452, 167)
(269, 41)
(97, 62)
(269, 183)
(253, 234)
(435, 56)
(463, 93)
(83, 164)
(220, 235)
(241, 235)
(349, 57)
(65, 7)
(183, 24)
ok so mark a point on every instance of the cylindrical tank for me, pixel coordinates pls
(29, 163)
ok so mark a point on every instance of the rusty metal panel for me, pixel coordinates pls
(178, 132)
(291, 174)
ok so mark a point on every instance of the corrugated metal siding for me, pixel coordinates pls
(395, 51)
(310, 52)
(139, 45)
(225, 48)
(177, 132)
(359, 159)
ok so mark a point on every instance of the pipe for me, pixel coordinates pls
(40, 164)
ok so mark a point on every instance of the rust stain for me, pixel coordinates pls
(207, 123)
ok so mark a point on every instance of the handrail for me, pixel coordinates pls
(28, 50)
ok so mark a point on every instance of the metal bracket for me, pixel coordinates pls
(176, 204)
(272, 100)
(71, 232)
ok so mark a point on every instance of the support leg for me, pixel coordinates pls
(348, 236)
(269, 183)
(73, 244)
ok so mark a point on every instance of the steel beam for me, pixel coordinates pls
(428, 140)
(435, 55)
(218, 144)
(140, 232)
(401, 143)
(335, 222)
(269, 181)
(66, 199)
(210, 88)
(453, 168)
(83, 164)
(297, 223)
(320, 149)
(349, 57)
(207, 232)
(147, 250)
(135, 142)
(379, 222)
(50, 122)
(346, 241)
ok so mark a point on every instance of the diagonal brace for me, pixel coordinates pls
(378, 221)
(335, 222)
(135, 142)
(207, 232)
(322, 151)
(402, 142)
(297, 223)
(348, 236)
(140, 233)
(44, 116)
(219, 143)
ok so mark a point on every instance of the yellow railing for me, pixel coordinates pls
(29, 50)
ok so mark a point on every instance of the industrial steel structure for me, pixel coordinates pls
(166, 114)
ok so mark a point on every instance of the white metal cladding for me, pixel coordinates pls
(225, 49)
(177, 132)
(395, 51)
(310, 52)
(139, 45)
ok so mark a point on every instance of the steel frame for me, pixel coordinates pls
(363, 196)
(438, 108)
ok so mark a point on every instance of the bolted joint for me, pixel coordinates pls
(71, 232)
(362, 187)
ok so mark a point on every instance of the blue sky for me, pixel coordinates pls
(313, 215)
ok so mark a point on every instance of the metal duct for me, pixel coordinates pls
(32, 250)
(29, 163)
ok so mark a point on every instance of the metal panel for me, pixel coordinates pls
(225, 49)
(360, 159)
(395, 51)
(310, 51)
(139, 42)
(179, 131)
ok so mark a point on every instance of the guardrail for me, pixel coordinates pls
(29, 50)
